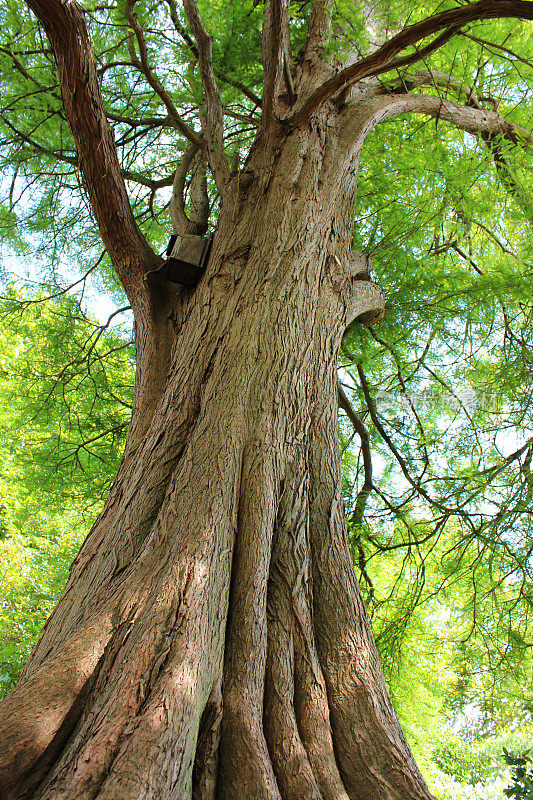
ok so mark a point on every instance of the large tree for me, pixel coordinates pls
(212, 640)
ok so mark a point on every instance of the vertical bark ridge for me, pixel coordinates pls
(289, 758)
(143, 480)
(296, 711)
(155, 690)
(186, 504)
(309, 698)
(245, 767)
(206, 759)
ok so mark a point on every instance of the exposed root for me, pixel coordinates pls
(291, 765)
(302, 753)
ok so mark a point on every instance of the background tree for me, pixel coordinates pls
(211, 638)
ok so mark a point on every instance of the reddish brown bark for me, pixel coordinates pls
(211, 641)
(197, 624)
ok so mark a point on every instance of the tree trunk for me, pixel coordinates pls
(211, 641)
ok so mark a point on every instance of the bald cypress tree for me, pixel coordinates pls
(212, 641)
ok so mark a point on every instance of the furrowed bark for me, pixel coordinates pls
(212, 641)
(193, 573)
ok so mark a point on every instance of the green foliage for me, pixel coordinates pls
(33, 570)
(449, 373)
(521, 775)
(65, 390)
(444, 550)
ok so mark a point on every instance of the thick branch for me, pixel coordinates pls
(65, 27)
(286, 43)
(468, 119)
(319, 28)
(214, 117)
(384, 59)
(130, 254)
(196, 222)
(180, 221)
(473, 120)
(405, 61)
(272, 48)
(199, 206)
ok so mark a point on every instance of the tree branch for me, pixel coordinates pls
(214, 118)
(144, 66)
(199, 206)
(415, 482)
(66, 29)
(384, 58)
(363, 494)
(142, 122)
(466, 118)
(510, 53)
(418, 55)
(256, 100)
(319, 28)
(272, 48)
(286, 45)
(435, 77)
(24, 72)
(180, 221)
(366, 488)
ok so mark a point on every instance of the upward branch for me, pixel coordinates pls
(384, 59)
(66, 29)
(144, 66)
(272, 48)
(214, 122)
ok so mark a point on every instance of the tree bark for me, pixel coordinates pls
(211, 641)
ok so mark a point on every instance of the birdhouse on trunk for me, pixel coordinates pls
(187, 257)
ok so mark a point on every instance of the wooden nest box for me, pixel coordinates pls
(187, 257)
